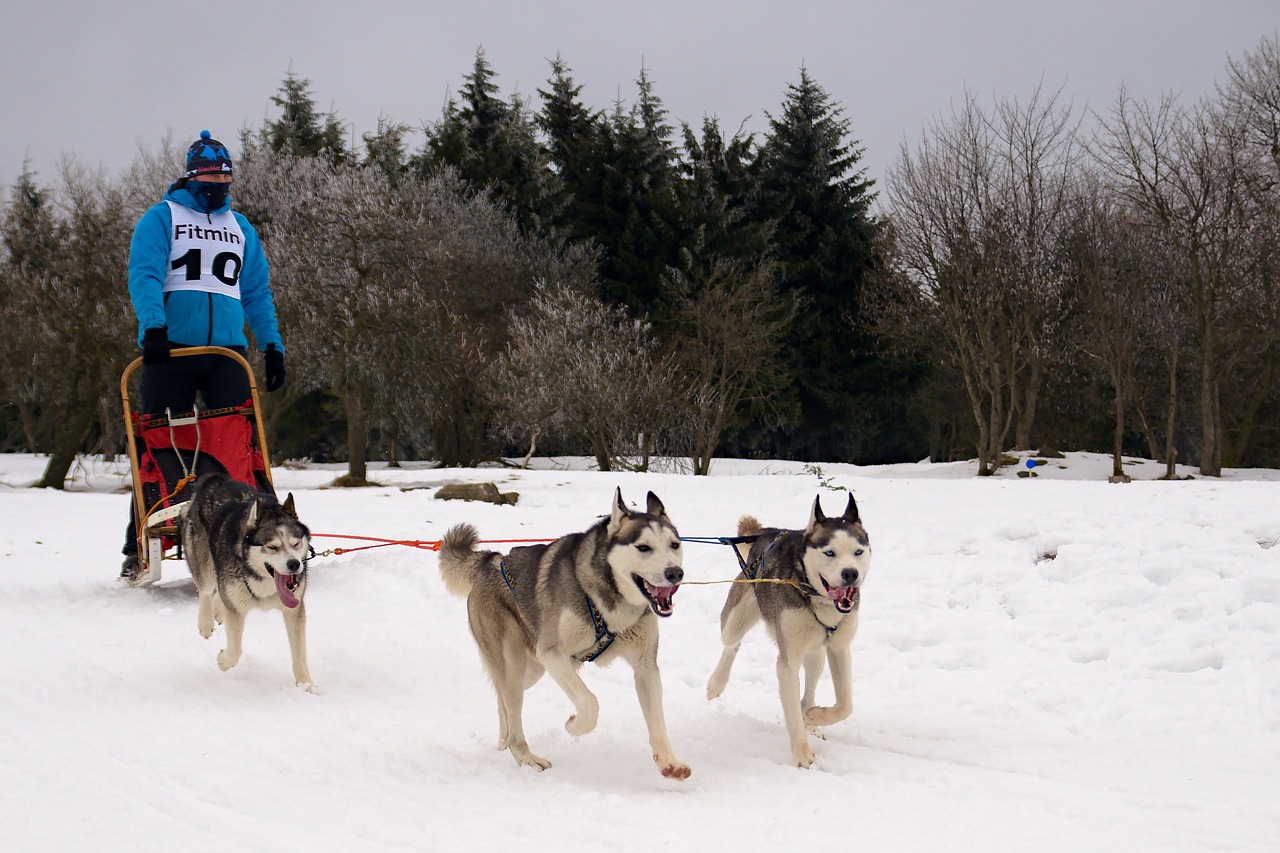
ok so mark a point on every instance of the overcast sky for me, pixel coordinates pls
(99, 80)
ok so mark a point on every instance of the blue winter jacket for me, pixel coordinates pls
(195, 318)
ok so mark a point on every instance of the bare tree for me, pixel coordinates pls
(1185, 171)
(578, 368)
(1124, 310)
(731, 324)
(976, 210)
(1251, 101)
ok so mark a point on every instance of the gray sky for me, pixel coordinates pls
(99, 80)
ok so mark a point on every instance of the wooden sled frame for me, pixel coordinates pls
(157, 527)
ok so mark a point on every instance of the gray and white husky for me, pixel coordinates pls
(247, 551)
(591, 596)
(808, 593)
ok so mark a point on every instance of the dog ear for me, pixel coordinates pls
(287, 506)
(851, 511)
(252, 519)
(816, 516)
(655, 506)
(619, 511)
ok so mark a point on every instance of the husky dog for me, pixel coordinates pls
(595, 595)
(246, 550)
(808, 597)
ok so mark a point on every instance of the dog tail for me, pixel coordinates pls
(459, 561)
(748, 526)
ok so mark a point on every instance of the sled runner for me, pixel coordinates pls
(168, 451)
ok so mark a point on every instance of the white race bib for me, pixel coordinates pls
(207, 252)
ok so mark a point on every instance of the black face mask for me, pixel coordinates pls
(209, 195)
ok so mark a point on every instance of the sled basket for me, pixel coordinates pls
(165, 449)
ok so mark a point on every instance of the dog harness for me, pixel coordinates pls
(753, 569)
(604, 637)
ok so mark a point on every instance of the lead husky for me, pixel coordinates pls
(809, 602)
(245, 551)
(587, 596)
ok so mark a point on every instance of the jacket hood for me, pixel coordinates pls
(179, 193)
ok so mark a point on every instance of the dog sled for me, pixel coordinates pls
(168, 451)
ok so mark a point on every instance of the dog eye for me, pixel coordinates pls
(271, 548)
(675, 546)
(857, 553)
(828, 553)
(643, 549)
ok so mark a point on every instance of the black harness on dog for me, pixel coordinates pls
(604, 637)
(752, 570)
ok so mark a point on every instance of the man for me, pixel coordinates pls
(197, 272)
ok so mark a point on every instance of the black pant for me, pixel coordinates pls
(173, 385)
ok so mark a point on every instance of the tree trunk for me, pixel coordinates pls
(601, 450)
(66, 444)
(1171, 423)
(533, 447)
(1027, 417)
(1117, 441)
(1210, 437)
(357, 437)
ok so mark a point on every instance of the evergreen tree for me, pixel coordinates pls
(385, 150)
(720, 191)
(301, 130)
(572, 134)
(493, 145)
(819, 196)
(636, 214)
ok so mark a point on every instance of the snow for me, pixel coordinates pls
(1044, 663)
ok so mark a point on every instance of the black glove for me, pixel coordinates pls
(155, 346)
(275, 367)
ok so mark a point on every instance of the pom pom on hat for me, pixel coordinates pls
(208, 156)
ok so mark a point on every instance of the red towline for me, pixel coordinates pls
(425, 544)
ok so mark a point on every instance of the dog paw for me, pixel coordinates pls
(805, 758)
(226, 661)
(310, 687)
(714, 691)
(206, 631)
(580, 724)
(674, 770)
(537, 762)
(825, 716)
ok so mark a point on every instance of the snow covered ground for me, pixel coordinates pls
(1045, 664)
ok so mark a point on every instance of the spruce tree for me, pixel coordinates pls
(819, 196)
(493, 144)
(302, 130)
(636, 216)
(571, 134)
(720, 191)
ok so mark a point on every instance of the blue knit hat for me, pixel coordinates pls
(208, 156)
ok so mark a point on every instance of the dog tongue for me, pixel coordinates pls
(287, 598)
(663, 595)
(843, 593)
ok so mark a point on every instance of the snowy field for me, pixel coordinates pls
(1045, 664)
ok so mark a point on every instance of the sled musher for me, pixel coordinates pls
(168, 451)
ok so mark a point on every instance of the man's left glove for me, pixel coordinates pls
(155, 346)
(275, 367)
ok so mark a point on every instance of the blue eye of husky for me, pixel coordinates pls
(857, 553)
(828, 553)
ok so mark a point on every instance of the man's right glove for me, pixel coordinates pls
(155, 346)
(275, 367)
